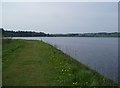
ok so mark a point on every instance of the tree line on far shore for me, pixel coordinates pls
(6, 33)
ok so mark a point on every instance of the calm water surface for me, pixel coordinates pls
(100, 54)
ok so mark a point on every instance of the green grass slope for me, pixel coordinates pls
(35, 63)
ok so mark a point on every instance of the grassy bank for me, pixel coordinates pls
(35, 63)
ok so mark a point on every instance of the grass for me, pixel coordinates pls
(35, 63)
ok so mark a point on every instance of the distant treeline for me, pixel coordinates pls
(21, 33)
(6, 33)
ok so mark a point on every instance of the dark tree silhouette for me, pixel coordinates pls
(6, 33)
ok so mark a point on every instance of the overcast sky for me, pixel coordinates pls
(0, 14)
(61, 17)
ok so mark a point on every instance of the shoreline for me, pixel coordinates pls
(54, 46)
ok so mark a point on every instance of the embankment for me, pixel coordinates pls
(35, 63)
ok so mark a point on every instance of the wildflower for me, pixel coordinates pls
(75, 83)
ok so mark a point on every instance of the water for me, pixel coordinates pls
(100, 54)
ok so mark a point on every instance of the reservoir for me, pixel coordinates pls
(100, 54)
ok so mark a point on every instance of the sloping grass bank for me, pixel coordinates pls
(35, 63)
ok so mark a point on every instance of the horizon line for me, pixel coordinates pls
(59, 33)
